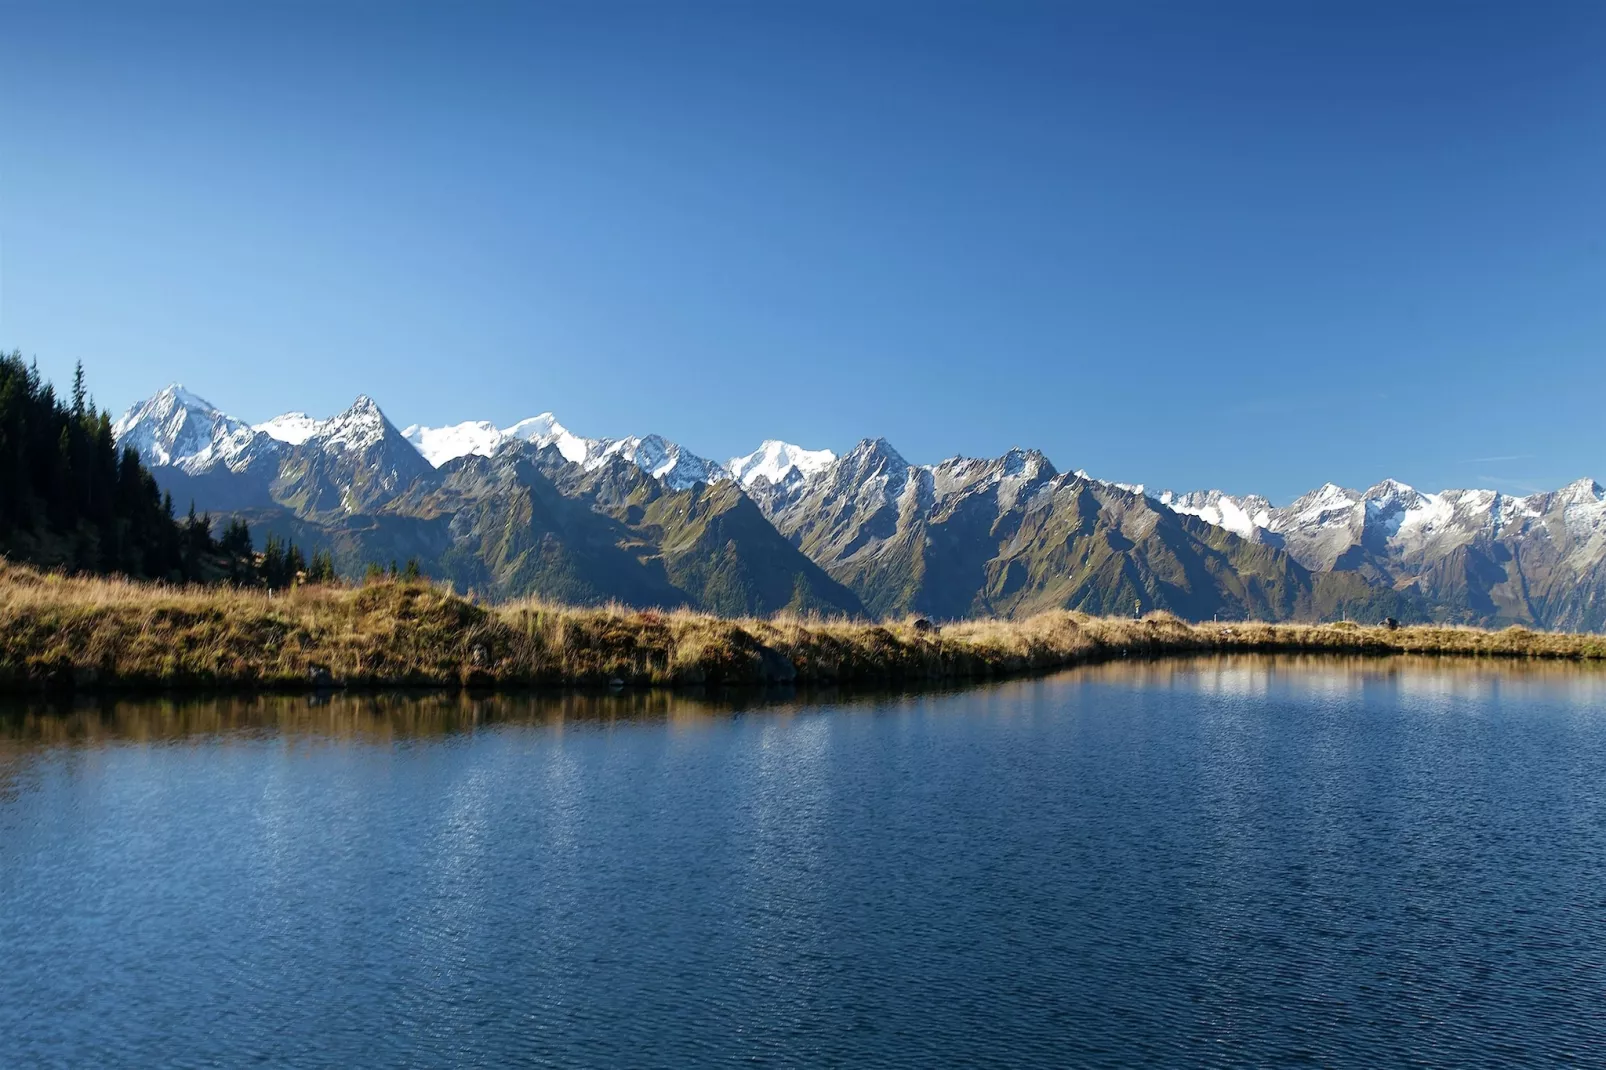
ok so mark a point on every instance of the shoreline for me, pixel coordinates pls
(73, 634)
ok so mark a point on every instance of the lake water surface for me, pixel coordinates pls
(1221, 862)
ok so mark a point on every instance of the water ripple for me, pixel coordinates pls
(1216, 864)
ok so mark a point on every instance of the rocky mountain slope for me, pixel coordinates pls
(534, 508)
(1475, 556)
(1012, 536)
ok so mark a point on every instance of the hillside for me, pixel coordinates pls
(88, 634)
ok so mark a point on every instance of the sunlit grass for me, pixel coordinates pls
(60, 631)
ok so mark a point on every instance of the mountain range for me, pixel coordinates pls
(535, 509)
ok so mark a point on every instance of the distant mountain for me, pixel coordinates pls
(478, 438)
(351, 463)
(712, 541)
(292, 427)
(778, 462)
(179, 429)
(544, 430)
(1011, 536)
(529, 509)
(1475, 556)
(654, 454)
(534, 508)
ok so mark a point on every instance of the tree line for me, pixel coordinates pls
(68, 497)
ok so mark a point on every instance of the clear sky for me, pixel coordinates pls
(1251, 246)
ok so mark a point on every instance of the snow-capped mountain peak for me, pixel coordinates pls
(178, 393)
(775, 461)
(442, 444)
(1245, 516)
(544, 430)
(293, 428)
(879, 449)
(653, 454)
(662, 459)
(177, 428)
(1581, 492)
(1391, 493)
(359, 428)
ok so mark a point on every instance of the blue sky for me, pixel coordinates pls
(1252, 246)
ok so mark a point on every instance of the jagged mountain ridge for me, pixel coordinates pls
(654, 454)
(967, 536)
(1478, 556)
(182, 430)
(177, 429)
(628, 524)
(1013, 536)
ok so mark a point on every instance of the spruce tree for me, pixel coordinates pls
(68, 497)
(78, 390)
(272, 568)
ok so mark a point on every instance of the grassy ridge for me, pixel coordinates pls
(60, 632)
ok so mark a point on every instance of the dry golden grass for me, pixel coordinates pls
(59, 631)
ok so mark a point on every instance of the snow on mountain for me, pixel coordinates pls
(775, 461)
(1581, 492)
(292, 427)
(1394, 519)
(1328, 506)
(662, 459)
(1245, 517)
(442, 444)
(1583, 508)
(359, 428)
(177, 428)
(653, 454)
(544, 430)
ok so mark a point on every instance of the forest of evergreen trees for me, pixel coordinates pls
(70, 499)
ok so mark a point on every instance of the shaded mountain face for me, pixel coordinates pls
(352, 463)
(712, 541)
(1011, 536)
(511, 532)
(529, 521)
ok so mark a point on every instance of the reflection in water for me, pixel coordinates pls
(394, 717)
(1222, 861)
(1258, 674)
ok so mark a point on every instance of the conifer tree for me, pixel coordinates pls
(68, 497)
(272, 568)
(322, 569)
(78, 391)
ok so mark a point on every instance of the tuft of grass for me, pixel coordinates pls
(60, 632)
